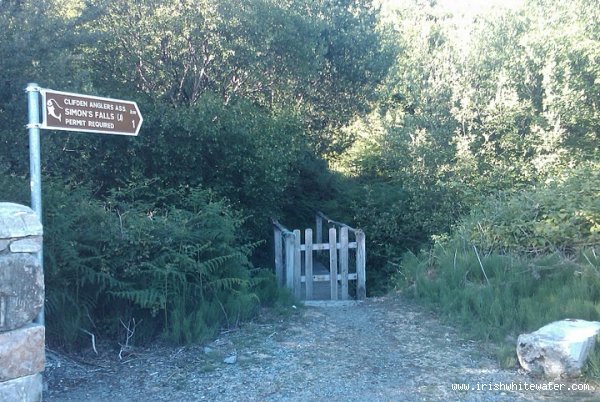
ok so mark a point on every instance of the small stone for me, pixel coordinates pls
(29, 245)
(206, 350)
(18, 221)
(230, 360)
(22, 352)
(26, 389)
(21, 289)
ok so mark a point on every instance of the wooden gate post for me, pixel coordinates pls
(297, 264)
(319, 232)
(333, 263)
(279, 275)
(289, 260)
(361, 280)
(344, 261)
(308, 263)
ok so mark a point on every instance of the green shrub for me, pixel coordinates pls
(181, 270)
(561, 216)
(175, 260)
(497, 296)
(399, 217)
(271, 295)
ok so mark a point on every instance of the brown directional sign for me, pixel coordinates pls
(76, 112)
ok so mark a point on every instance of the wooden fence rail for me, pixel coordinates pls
(289, 261)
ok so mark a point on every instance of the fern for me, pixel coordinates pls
(173, 258)
(224, 284)
(153, 299)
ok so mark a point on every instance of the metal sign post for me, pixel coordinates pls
(71, 112)
(35, 174)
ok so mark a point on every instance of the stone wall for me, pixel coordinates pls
(22, 349)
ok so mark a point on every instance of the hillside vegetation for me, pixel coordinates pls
(464, 143)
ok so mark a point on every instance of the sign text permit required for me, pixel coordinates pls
(76, 112)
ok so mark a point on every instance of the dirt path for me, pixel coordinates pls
(385, 349)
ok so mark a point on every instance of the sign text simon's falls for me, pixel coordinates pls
(76, 112)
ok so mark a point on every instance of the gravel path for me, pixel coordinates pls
(384, 349)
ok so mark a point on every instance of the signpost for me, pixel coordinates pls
(75, 112)
(72, 112)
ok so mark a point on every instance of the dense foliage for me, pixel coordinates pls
(475, 106)
(516, 263)
(486, 144)
(242, 101)
(561, 216)
(418, 121)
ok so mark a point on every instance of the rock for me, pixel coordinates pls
(27, 245)
(22, 346)
(206, 350)
(21, 290)
(23, 389)
(22, 352)
(559, 349)
(230, 359)
(18, 221)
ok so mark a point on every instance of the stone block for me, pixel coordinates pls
(23, 389)
(22, 352)
(21, 290)
(559, 349)
(27, 245)
(18, 221)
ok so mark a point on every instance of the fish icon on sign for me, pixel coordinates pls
(53, 109)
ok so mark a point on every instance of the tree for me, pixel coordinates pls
(471, 107)
(35, 46)
(322, 59)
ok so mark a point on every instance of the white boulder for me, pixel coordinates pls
(559, 349)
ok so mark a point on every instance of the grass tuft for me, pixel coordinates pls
(495, 297)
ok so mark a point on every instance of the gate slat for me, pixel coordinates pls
(297, 264)
(308, 263)
(361, 288)
(333, 263)
(279, 275)
(289, 260)
(344, 261)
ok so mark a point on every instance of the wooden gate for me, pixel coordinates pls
(298, 266)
